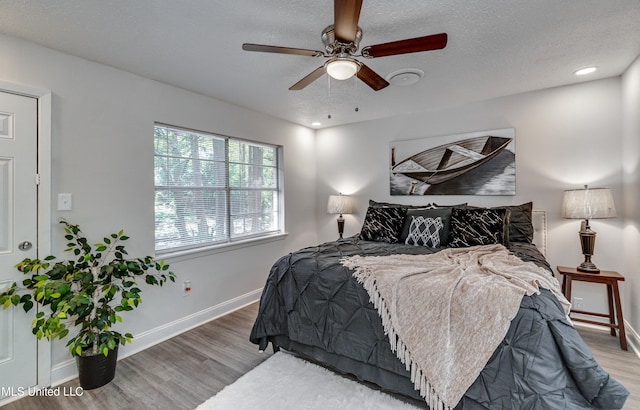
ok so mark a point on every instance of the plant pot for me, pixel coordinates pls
(97, 370)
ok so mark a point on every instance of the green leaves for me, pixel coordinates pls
(71, 295)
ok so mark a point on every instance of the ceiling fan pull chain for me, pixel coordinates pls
(329, 96)
(357, 96)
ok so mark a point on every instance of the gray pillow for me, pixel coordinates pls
(375, 204)
(520, 222)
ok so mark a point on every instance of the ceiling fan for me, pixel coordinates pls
(341, 41)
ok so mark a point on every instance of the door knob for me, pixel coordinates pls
(24, 246)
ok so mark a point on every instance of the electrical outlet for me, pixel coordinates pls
(186, 288)
(577, 303)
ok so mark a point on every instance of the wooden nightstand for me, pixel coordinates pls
(605, 277)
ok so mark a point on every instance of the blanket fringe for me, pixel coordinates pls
(419, 380)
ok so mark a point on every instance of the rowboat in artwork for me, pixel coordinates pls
(447, 161)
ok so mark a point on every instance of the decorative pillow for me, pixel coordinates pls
(520, 223)
(436, 206)
(382, 224)
(374, 204)
(443, 213)
(424, 231)
(478, 226)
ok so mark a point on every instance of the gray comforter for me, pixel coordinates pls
(312, 305)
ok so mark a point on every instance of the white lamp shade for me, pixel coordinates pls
(342, 69)
(339, 204)
(588, 203)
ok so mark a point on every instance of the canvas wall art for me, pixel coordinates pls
(476, 163)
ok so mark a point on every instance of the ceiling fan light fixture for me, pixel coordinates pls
(342, 68)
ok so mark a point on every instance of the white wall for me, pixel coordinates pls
(565, 137)
(631, 183)
(102, 153)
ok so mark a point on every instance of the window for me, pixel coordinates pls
(212, 189)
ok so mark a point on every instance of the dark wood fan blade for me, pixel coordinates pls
(371, 78)
(346, 14)
(315, 74)
(281, 50)
(412, 45)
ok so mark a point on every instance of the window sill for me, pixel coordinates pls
(188, 254)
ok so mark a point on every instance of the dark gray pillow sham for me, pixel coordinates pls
(376, 204)
(520, 222)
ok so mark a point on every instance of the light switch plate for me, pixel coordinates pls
(65, 202)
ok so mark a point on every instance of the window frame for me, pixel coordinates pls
(229, 241)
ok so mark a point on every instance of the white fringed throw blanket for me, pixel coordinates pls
(446, 313)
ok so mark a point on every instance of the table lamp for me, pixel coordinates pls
(588, 203)
(339, 204)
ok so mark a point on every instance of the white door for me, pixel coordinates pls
(18, 236)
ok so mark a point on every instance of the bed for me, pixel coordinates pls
(314, 306)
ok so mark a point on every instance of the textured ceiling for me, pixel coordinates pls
(495, 48)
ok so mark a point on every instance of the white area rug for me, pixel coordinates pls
(285, 382)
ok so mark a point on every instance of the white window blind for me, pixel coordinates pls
(212, 189)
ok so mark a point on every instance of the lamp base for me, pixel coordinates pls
(588, 267)
(340, 226)
(588, 243)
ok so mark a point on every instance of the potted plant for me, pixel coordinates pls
(81, 294)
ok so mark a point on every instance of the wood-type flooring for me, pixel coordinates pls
(185, 371)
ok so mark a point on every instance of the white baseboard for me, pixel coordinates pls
(67, 370)
(633, 339)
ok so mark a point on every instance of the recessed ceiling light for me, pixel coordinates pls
(583, 71)
(316, 124)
